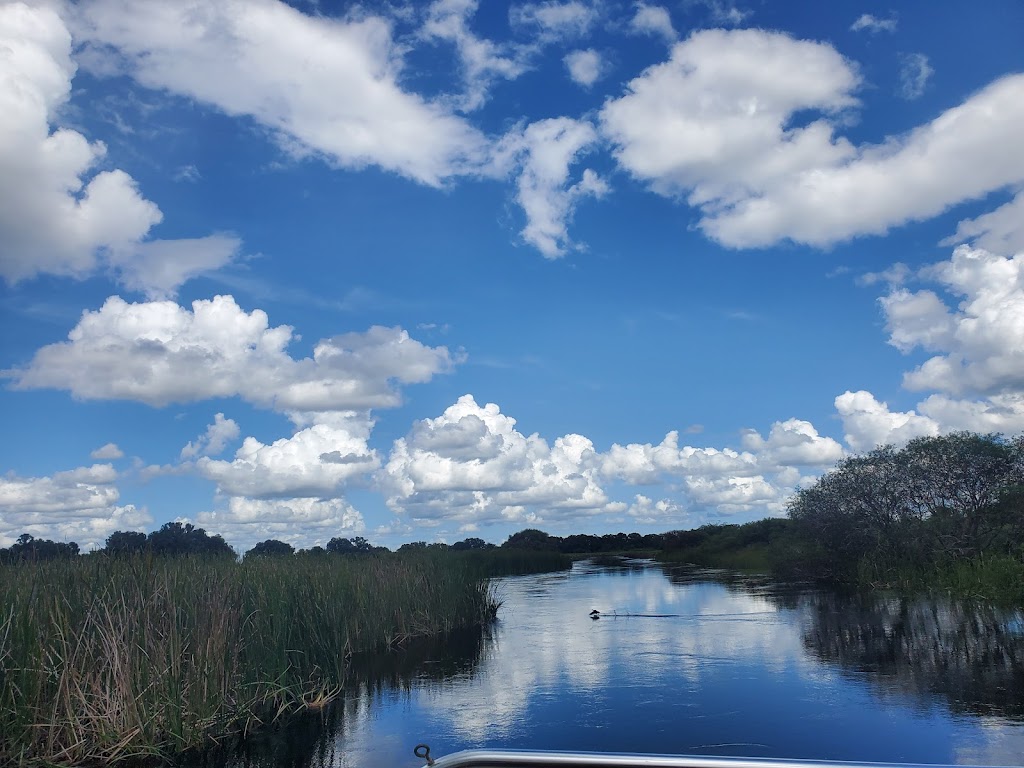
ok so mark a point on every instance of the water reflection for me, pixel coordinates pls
(969, 656)
(732, 665)
(318, 739)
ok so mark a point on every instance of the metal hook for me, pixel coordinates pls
(422, 751)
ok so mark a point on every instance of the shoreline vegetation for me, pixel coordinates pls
(168, 643)
(106, 658)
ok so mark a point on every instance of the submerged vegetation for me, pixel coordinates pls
(105, 658)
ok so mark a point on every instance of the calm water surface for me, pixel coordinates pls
(738, 666)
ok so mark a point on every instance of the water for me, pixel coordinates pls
(738, 666)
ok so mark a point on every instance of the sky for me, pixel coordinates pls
(427, 271)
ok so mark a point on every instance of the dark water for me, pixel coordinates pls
(739, 666)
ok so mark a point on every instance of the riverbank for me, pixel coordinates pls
(104, 659)
(774, 547)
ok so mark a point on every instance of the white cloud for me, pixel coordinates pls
(214, 440)
(554, 20)
(726, 14)
(315, 462)
(976, 381)
(666, 512)
(712, 118)
(323, 86)
(647, 464)
(160, 353)
(869, 423)
(996, 413)
(874, 24)
(482, 60)
(728, 481)
(895, 275)
(653, 20)
(715, 123)
(61, 215)
(546, 150)
(159, 267)
(792, 443)
(77, 505)
(980, 340)
(1001, 231)
(585, 67)
(917, 319)
(915, 71)
(303, 522)
(107, 452)
(470, 465)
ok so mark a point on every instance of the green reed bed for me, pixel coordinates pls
(105, 659)
(997, 579)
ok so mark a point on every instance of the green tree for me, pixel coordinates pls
(271, 548)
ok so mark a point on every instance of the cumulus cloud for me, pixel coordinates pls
(975, 376)
(76, 505)
(315, 462)
(917, 319)
(214, 440)
(647, 511)
(915, 71)
(1001, 231)
(545, 151)
(874, 24)
(653, 20)
(302, 522)
(979, 341)
(483, 61)
(1002, 412)
(160, 353)
(585, 67)
(869, 423)
(792, 443)
(471, 465)
(106, 452)
(725, 480)
(326, 87)
(716, 124)
(60, 215)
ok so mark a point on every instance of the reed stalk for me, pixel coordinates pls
(107, 659)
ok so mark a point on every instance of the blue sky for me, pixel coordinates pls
(437, 270)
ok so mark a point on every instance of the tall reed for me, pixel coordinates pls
(104, 659)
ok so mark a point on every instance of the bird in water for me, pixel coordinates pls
(595, 614)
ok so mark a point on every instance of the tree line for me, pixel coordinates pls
(936, 503)
(176, 538)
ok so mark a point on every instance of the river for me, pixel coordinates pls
(716, 664)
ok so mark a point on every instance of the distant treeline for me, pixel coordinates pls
(186, 539)
(941, 509)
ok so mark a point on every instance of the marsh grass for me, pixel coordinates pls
(994, 578)
(755, 558)
(105, 659)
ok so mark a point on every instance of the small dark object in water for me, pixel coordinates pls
(595, 614)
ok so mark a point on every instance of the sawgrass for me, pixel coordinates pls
(105, 659)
